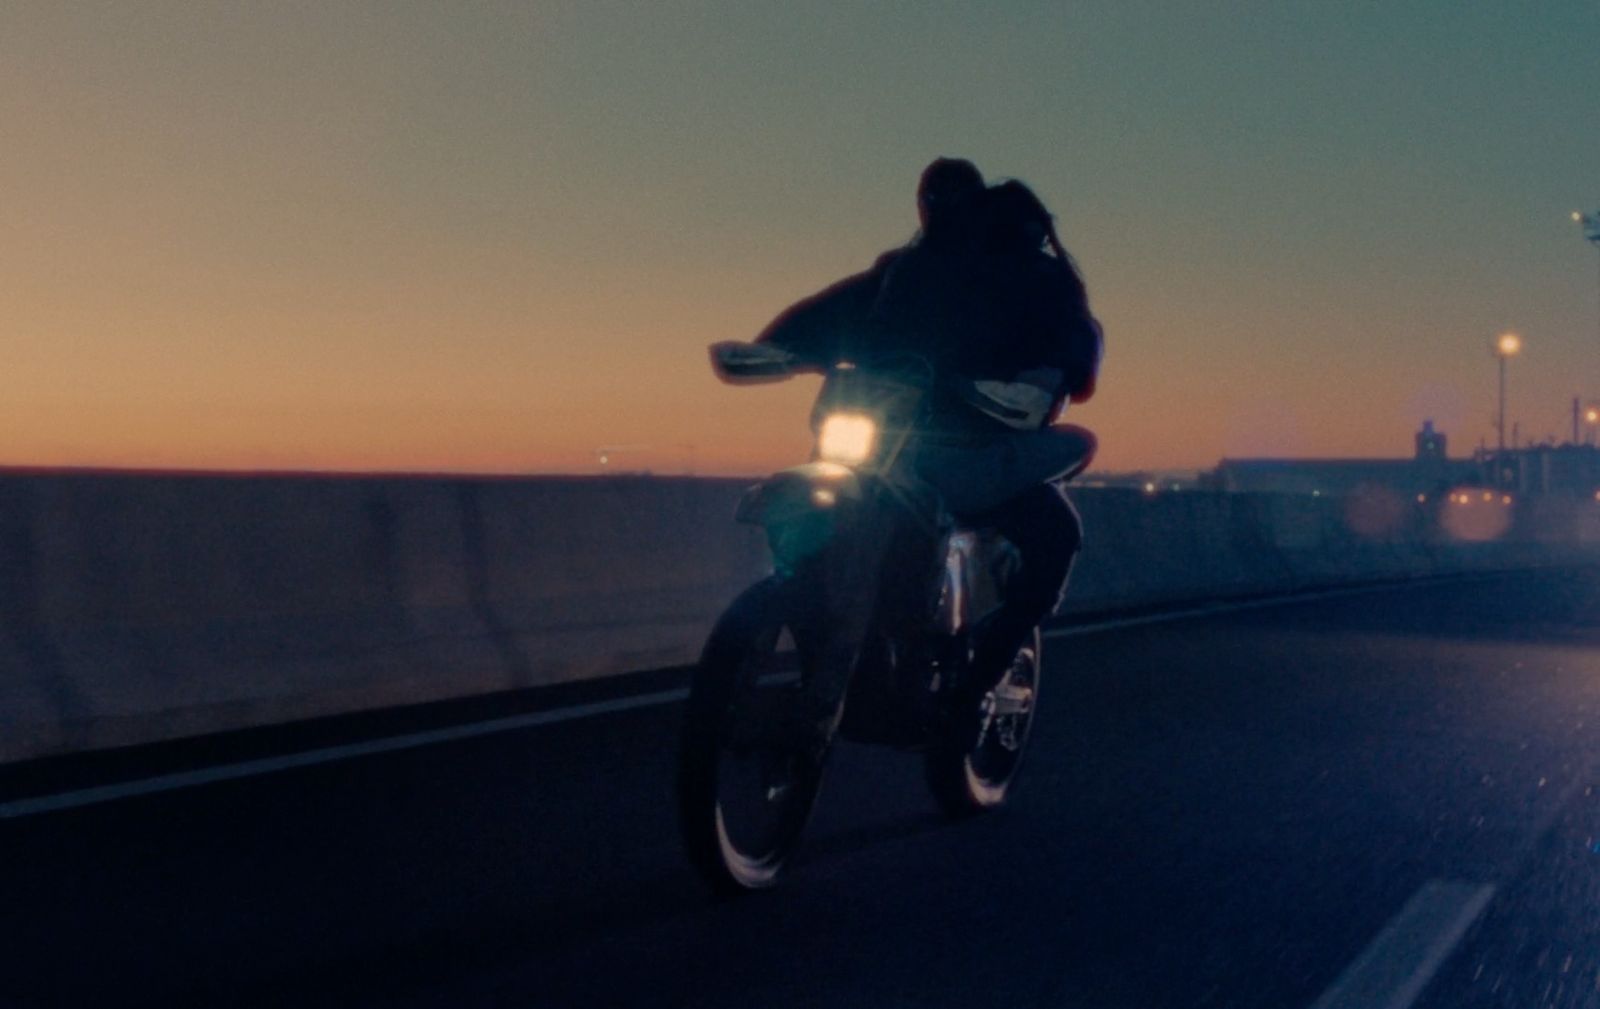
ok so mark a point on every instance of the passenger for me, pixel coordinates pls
(987, 294)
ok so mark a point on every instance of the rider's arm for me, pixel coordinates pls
(821, 327)
(1084, 366)
(1072, 340)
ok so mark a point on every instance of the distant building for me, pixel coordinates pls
(1562, 470)
(1430, 443)
(1428, 471)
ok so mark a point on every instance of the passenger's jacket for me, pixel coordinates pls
(974, 315)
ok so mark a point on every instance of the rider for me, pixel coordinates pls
(987, 294)
(840, 320)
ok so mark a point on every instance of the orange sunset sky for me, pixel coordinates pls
(497, 237)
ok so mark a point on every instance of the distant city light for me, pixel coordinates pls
(1422, 498)
(1481, 514)
(1149, 488)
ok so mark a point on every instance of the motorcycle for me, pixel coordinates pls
(863, 630)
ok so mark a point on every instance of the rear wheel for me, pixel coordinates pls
(972, 771)
(746, 782)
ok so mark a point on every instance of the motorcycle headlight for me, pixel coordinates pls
(847, 438)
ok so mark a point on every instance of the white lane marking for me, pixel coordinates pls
(1394, 969)
(1240, 606)
(308, 758)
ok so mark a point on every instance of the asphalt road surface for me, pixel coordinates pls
(1383, 799)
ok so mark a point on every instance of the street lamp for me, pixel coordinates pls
(1506, 345)
(1591, 226)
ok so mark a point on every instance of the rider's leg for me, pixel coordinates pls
(1044, 528)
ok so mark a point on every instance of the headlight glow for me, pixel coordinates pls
(847, 438)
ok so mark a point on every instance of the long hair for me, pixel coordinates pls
(1017, 223)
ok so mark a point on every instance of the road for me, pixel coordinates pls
(1376, 799)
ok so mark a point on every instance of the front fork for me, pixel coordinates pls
(840, 585)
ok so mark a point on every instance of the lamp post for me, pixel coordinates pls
(1591, 228)
(1506, 345)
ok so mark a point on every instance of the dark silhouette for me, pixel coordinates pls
(987, 294)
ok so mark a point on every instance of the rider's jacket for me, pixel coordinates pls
(973, 314)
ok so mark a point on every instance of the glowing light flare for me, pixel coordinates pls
(824, 497)
(847, 438)
(1476, 524)
(1508, 345)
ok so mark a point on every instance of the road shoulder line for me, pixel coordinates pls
(1400, 961)
(323, 755)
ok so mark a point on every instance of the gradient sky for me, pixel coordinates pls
(496, 236)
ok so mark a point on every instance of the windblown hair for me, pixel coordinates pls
(1016, 222)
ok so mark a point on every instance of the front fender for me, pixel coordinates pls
(798, 492)
(800, 509)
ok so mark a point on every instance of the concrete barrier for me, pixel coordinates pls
(135, 608)
(138, 607)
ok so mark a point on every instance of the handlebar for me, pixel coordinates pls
(1017, 404)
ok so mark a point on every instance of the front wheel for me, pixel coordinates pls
(970, 772)
(745, 790)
